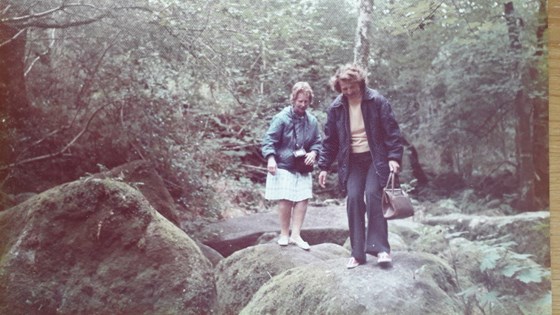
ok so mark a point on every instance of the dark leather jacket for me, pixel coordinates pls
(382, 130)
(279, 139)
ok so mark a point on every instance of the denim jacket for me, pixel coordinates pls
(280, 141)
(382, 130)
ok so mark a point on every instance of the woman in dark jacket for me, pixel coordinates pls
(362, 135)
(293, 132)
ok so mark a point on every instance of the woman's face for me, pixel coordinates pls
(350, 89)
(301, 103)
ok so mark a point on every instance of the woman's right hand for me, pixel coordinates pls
(322, 178)
(271, 167)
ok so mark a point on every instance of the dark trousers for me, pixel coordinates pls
(363, 207)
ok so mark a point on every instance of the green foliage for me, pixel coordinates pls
(489, 298)
(479, 297)
(500, 260)
(452, 79)
(489, 260)
(192, 86)
(529, 275)
(501, 275)
(543, 227)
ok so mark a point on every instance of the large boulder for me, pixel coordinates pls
(416, 284)
(240, 275)
(96, 246)
(144, 177)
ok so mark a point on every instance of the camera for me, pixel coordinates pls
(299, 152)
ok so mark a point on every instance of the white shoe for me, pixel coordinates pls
(300, 243)
(283, 240)
(384, 258)
(352, 263)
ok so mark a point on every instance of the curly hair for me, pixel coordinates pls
(349, 73)
(301, 87)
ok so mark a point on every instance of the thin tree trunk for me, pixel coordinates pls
(362, 40)
(361, 56)
(524, 118)
(414, 160)
(543, 26)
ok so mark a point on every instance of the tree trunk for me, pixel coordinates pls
(13, 96)
(524, 118)
(540, 125)
(543, 26)
(414, 160)
(361, 48)
(361, 56)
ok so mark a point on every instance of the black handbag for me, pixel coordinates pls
(301, 167)
(395, 202)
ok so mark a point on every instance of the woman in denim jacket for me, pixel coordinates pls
(292, 132)
(362, 134)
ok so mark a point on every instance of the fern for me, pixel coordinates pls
(515, 269)
(489, 298)
(510, 270)
(506, 245)
(520, 256)
(528, 275)
(489, 260)
(469, 292)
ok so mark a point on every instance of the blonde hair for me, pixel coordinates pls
(301, 87)
(349, 73)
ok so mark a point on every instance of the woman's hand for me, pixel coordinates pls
(271, 167)
(310, 157)
(322, 178)
(394, 166)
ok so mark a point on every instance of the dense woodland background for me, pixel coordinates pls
(191, 86)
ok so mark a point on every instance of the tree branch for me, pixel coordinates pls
(67, 24)
(463, 16)
(43, 54)
(59, 152)
(13, 37)
(30, 19)
(45, 13)
(30, 16)
(5, 9)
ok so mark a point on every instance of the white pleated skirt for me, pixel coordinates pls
(289, 186)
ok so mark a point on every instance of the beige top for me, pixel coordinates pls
(359, 141)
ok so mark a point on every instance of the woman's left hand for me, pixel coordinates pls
(394, 166)
(310, 157)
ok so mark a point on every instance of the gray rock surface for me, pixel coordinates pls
(143, 176)
(240, 275)
(494, 269)
(416, 284)
(97, 247)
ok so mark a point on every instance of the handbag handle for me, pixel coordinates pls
(295, 134)
(391, 180)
